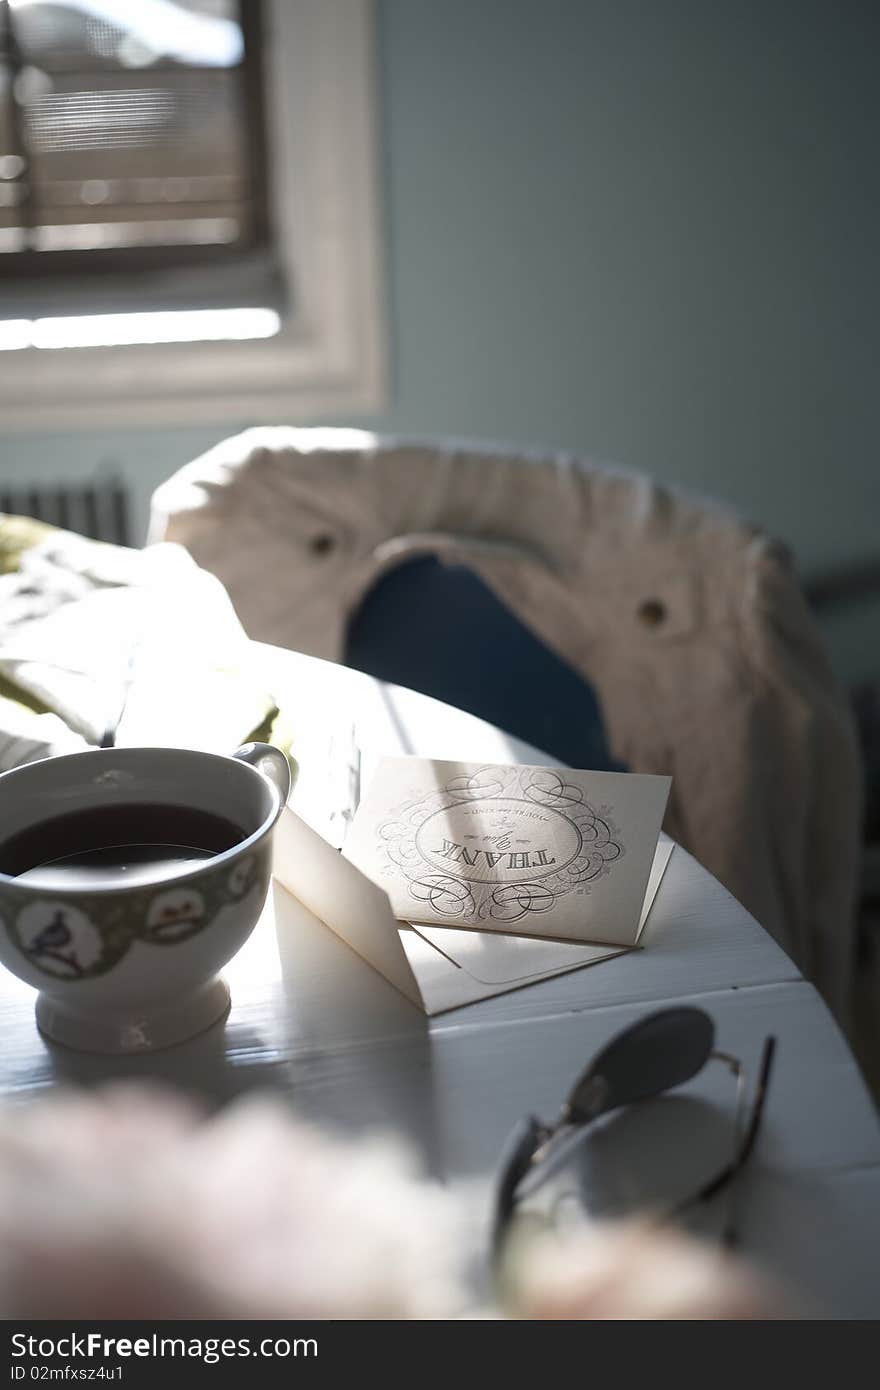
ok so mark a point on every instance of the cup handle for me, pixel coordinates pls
(273, 765)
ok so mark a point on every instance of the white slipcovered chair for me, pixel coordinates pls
(685, 620)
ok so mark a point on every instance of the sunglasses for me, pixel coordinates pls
(661, 1051)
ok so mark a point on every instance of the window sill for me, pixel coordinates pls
(330, 354)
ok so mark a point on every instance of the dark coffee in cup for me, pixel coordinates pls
(116, 846)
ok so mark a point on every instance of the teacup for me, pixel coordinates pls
(126, 953)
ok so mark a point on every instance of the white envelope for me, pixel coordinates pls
(436, 968)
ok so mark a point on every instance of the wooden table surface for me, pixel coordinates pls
(312, 1021)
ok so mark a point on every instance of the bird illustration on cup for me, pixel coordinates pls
(60, 939)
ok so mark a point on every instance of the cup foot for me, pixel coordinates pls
(135, 1032)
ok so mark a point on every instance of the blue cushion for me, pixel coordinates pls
(439, 629)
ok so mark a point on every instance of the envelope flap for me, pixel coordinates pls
(496, 959)
(343, 898)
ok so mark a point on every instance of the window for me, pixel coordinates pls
(192, 181)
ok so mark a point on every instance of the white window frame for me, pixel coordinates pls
(330, 356)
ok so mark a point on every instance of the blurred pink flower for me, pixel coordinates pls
(129, 1203)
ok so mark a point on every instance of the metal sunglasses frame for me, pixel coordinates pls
(648, 1058)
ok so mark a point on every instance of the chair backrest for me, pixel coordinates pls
(685, 620)
(470, 650)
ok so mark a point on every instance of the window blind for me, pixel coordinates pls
(131, 141)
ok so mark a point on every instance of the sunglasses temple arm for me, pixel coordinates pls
(758, 1106)
(519, 1150)
(727, 1175)
(730, 1233)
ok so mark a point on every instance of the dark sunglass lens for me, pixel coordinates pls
(655, 1054)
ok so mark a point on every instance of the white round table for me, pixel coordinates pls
(312, 1021)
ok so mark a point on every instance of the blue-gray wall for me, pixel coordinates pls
(645, 230)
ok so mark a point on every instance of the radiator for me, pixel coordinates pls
(99, 509)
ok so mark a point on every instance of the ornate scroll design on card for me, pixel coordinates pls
(499, 843)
